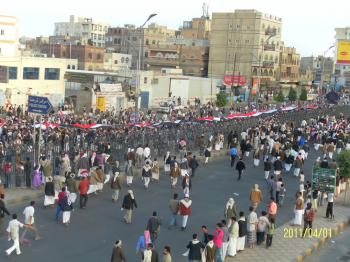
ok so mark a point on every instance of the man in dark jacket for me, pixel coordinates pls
(153, 226)
(240, 166)
(28, 172)
(129, 203)
(193, 164)
(267, 168)
(3, 211)
(117, 253)
(195, 249)
(278, 166)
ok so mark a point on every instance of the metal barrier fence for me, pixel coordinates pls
(159, 140)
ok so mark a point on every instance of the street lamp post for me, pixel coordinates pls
(138, 68)
(323, 62)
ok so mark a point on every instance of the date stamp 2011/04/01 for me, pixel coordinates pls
(322, 232)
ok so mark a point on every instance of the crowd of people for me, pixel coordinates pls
(279, 146)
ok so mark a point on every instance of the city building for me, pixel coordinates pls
(116, 61)
(342, 66)
(127, 40)
(245, 46)
(89, 57)
(21, 76)
(9, 43)
(197, 28)
(288, 74)
(315, 65)
(88, 31)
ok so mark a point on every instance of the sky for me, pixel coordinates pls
(308, 25)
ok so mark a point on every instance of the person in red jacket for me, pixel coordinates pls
(83, 189)
(185, 209)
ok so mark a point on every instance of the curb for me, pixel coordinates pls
(319, 243)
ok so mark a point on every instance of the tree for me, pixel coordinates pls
(279, 97)
(292, 96)
(221, 99)
(343, 161)
(303, 94)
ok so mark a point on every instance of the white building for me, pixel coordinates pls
(22, 76)
(88, 30)
(166, 87)
(8, 36)
(117, 61)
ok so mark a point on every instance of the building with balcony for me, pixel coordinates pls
(289, 65)
(86, 30)
(245, 43)
(9, 43)
(89, 57)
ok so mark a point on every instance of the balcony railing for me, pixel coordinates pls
(271, 31)
(268, 64)
(269, 47)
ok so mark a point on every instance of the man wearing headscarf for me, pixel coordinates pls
(72, 187)
(185, 210)
(116, 186)
(117, 253)
(130, 161)
(147, 173)
(129, 203)
(230, 210)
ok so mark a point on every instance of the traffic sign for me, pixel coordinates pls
(39, 105)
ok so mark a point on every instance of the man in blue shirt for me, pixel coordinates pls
(233, 154)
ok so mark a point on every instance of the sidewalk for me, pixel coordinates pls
(14, 196)
(285, 249)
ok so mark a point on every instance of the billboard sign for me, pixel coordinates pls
(235, 80)
(343, 52)
(101, 103)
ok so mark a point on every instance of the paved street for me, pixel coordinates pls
(336, 250)
(93, 231)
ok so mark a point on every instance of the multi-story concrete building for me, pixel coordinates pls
(247, 44)
(33, 76)
(198, 28)
(315, 65)
(86, 29)
(127, 39)
(8, 36)
(116, 61)
(89, 57)
(289, 65)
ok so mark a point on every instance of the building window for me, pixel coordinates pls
(52, 73)
(247, 41)
(153, 42)
(146, 54)
(31, 73)
(12, 73)
(2, 32)
(98, 56)
(115, 62)
(90, 55)
(134, 39)
(145, 80)
(238, 26)
(73, 67)
(127, 60)
(122, 60)
(147, 42)
(68, 67)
